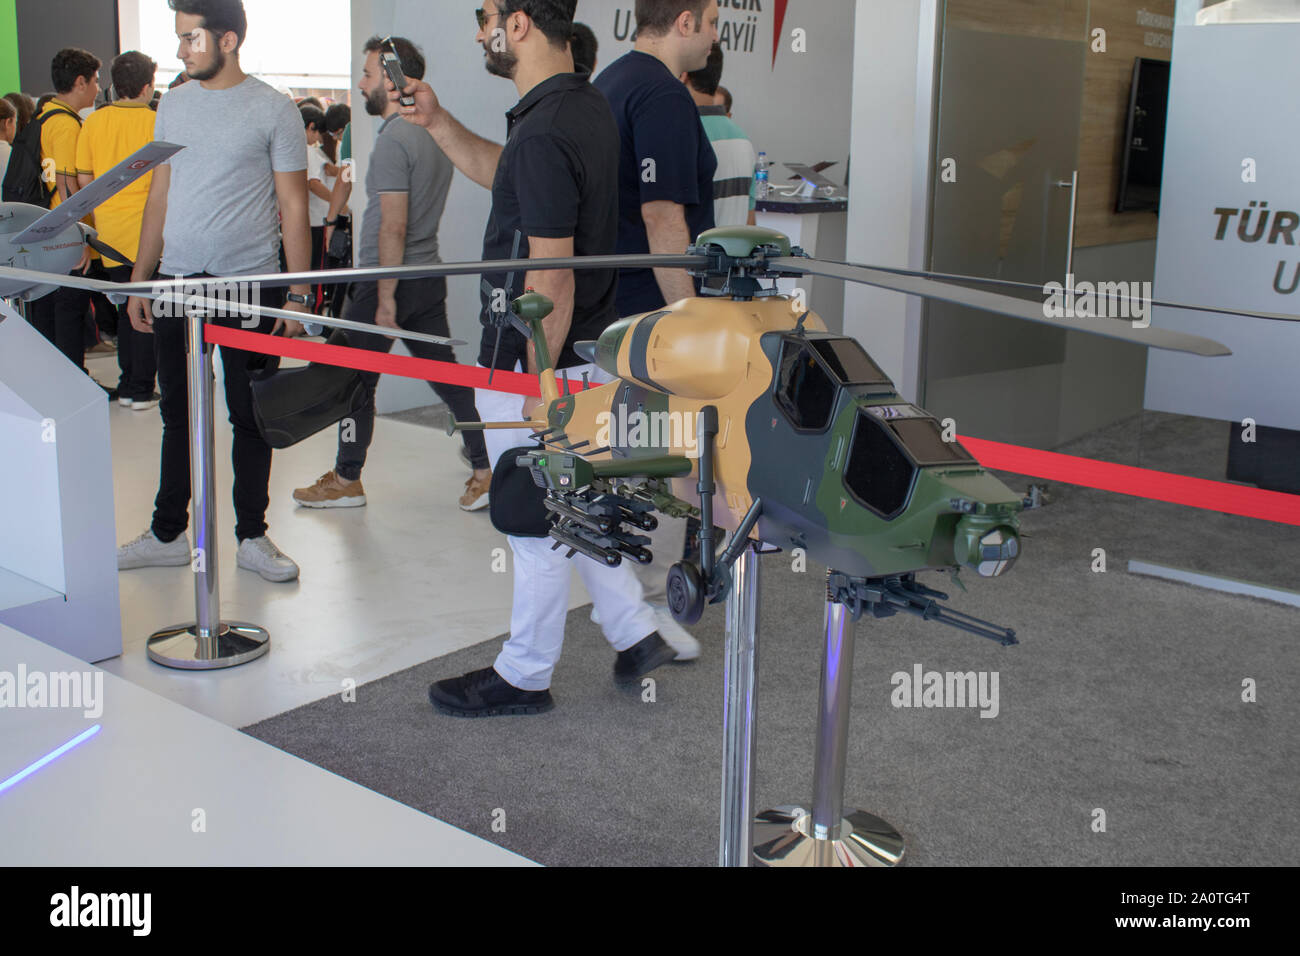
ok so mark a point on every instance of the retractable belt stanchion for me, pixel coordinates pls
(740, 674)
(207, 643)
(825, 836)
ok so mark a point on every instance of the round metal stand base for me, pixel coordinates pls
(181, 646)
(783, 837)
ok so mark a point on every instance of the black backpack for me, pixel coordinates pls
(23, 181)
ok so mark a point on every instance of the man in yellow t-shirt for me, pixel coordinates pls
(60, 316)
(108, 136)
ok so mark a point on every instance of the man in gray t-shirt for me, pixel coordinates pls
(406, 190)
(405, 160)
(221, 206)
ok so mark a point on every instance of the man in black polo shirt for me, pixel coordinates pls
(554, 194)
(666, 167)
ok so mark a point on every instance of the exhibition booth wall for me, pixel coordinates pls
(794, 105)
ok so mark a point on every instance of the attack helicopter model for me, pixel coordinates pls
(779, 431)
(737, 410)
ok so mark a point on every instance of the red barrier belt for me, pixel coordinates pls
(403, 365)
(1086, 472)
(1139, 482)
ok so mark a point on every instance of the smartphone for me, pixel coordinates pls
(393, 67)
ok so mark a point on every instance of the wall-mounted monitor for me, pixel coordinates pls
(1144, 137)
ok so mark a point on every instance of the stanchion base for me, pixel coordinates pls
(783, 837)
(181, 646)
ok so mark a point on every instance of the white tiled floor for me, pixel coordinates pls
(404, 579)
(128, 794)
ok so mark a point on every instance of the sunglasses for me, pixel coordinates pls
(484, 17)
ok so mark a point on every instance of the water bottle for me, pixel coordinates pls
(761, 185)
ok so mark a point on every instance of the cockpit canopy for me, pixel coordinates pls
(812, 371)
(891, 442)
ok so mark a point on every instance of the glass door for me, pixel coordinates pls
(1010, 98)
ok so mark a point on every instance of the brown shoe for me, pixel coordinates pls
(475, 497)
(331, 491)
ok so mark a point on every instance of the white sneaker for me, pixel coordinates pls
(686, 646)
(260, 555)
(147, 551)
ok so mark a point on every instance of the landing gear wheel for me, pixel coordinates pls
(685, 593)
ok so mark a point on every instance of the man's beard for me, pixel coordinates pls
(377, 101)
(218, 64)
(501, 62)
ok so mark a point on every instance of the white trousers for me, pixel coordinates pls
(542, 576)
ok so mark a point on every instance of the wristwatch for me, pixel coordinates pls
(297, 297)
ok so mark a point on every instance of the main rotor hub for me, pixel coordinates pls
(734, 259)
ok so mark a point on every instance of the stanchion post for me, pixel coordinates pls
(207, 643)
(740, 676)
(207, 586)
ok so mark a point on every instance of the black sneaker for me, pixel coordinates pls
(641, 658)
(486, 693)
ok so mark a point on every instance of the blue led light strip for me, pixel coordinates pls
(52, 755)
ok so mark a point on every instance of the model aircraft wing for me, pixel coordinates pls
(1032, 311)
(84, 201)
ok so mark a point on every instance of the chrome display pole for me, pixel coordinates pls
(207, 643)
(740, 674)
(826, 836)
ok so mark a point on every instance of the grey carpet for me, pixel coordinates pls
(1124, 696)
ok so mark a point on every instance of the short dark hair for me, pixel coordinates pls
(726, 98)
(337, 117)
(312, 116)
(132, 72)
(69, 65)
(312, 101)
(553, 17)
(583, 46)
(706, 79)
(655, 17)
(23, 105)
(408, 54)
(219, 16)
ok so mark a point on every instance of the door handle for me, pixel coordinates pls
(1073, 184)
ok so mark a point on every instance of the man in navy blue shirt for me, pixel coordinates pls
(665, 182)
(666, 164)
(554, 188)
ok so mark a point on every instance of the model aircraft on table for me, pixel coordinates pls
(777, 430)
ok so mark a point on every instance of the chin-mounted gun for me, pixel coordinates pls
(886, 596)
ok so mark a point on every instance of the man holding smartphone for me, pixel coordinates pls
(221, 204)
(555, 193)
(406, 189)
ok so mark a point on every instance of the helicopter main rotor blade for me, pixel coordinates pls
(1002, 305)
(186, 301)
(370, 274)
(1040, 291)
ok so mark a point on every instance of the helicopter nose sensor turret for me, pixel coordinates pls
(986, 545)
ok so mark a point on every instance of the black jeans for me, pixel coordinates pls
(60, 316)
(250, 454)
(421, 307)
(135, 356)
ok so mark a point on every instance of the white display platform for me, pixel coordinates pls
(58, 566)
(128, 795)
